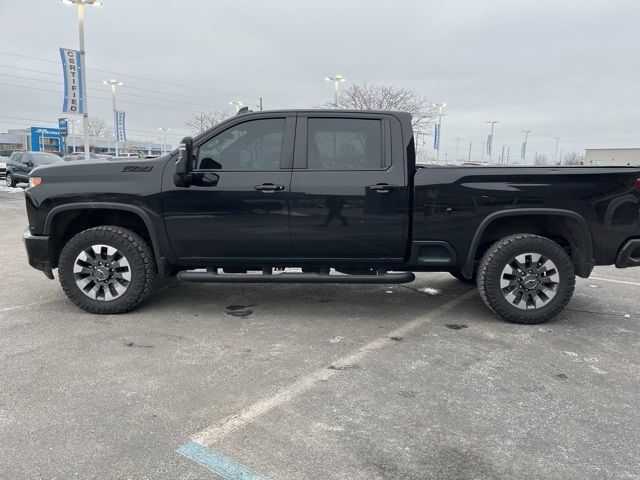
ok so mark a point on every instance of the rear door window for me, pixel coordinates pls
(344, 144)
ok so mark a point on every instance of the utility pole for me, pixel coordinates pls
(523, 153)
(337, 80)
(555, 159)
(561, 152)
(114, 83)
(490, 139)
(260, 104)
(446, 158)
(502, 158)
(457, 147)
(469, 158)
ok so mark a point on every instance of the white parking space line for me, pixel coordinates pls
(217, 431)
(26, 305)
(613, 281)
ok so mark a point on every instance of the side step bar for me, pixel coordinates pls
(208, 277)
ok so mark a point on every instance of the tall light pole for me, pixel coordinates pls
(440, 107)
(164, 138)
(114, 83)
(457, 147)
(85, 115)
(555, 155)
(238, 104)
(490, 139)
(523, 152)
(337, 80)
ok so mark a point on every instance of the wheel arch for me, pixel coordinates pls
(65, 221)
(564, 225)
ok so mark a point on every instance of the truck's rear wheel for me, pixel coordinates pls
(106, 270)
(526, 278)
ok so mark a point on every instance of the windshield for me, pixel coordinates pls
(42, 158)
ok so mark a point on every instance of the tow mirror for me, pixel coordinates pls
(182, 175)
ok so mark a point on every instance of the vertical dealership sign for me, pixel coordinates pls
(73, 71)
(121, 133)
(436, 137)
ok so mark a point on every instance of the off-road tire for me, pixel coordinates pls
(10, 180)
(136, 251)
(500, 254)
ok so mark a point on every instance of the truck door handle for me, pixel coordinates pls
(269, 188)
(383, 187)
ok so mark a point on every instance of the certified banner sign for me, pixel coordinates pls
(73, 70)
(121, 133)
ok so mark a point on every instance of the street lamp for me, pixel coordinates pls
(164, 138)
(238, 104)
(83, 79)
(337, 80)
(114, 84)
(490, 139)
(440, 107)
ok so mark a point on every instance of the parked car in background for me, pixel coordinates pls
(80, 156)
(3, 167)
(20, 164)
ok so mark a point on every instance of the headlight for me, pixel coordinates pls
(35, 181)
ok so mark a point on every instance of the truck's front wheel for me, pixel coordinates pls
(526, 278)
(106, 270)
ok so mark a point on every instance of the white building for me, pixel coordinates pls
(612, 156)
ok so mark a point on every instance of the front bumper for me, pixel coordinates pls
(629, 255)
(38, 252)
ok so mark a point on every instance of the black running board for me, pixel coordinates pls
(208, 277)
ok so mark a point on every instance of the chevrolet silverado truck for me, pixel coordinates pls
(317, 196)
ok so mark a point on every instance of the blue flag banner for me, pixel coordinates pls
(73, 71)
(121, 133)
(436, 137)
(489, 144)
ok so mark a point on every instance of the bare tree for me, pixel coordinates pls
(97, 127)
(389, 97)
(541, 160)
(203, 121)
(572, 159)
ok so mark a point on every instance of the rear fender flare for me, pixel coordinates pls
(583, 268)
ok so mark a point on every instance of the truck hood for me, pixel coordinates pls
(104, 170)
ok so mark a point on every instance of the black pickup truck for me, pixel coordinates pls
(337, 196)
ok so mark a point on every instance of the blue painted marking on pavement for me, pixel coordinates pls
(217, 463)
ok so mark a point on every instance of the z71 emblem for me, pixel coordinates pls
(137, 168)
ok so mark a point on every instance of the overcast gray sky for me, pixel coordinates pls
(566, 68)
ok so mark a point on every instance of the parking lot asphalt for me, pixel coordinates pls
(419, 381)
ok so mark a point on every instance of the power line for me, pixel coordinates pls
(104, 98)
(101, 89)
(161, 82)
(150, 90)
